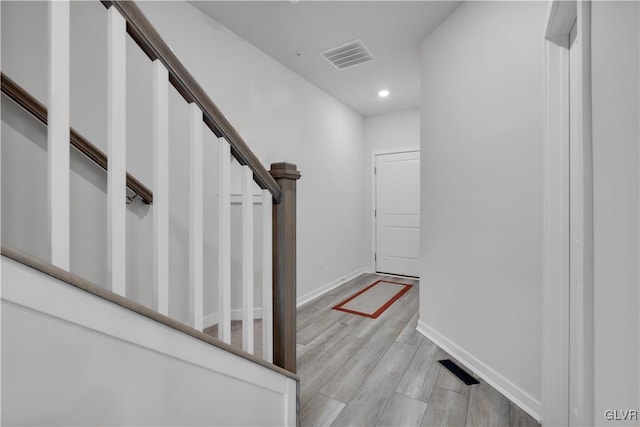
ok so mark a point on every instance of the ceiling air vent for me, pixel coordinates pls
(348, 55)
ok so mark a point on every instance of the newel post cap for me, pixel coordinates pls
(284, 170)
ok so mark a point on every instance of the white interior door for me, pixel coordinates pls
(397, 213)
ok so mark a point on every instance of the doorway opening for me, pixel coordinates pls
(396, 212)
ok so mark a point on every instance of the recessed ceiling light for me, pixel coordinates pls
(383, 93)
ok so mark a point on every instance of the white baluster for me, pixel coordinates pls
(247, 259)
(161, 186)
(224, 243)
(267, 277)
(196, 233)
(58, 133)
(116, 151)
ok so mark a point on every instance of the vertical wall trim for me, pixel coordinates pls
(556, 281)
(116, 151)
(58, 134)
(161, 186)
(247, 259)
(224, 242)
(196, 221)
(638, 237)
(0, 213)
(581, 350)
(555, 291)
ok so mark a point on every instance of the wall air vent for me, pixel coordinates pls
(348, 55)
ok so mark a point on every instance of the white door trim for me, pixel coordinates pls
(581, 329)
(567, 398)
(555, 260)
(373, 194)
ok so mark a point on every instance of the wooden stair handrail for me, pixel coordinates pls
(150, 41)
(31, 105)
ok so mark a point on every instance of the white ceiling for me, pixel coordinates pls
(295, 33)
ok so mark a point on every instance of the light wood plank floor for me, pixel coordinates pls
(356, 371)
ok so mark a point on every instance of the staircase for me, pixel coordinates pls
(115, 348)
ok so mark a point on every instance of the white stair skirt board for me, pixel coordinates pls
(301, 300)
(117, 337)
(512, 392)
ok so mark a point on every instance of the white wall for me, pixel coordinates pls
(70, 358)
(481, 192)
(281, 116)
(615, 43)
(389, 131)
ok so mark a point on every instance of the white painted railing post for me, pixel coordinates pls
(161, 186)
(196, 227)
(58, 134)
(224, 242)
(116, 151)
(267, 277)
(247, 259)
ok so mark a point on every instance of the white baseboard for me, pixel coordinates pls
(397, 276)
(371, 270)
(512, 392)
(236, 314)
(329, 286)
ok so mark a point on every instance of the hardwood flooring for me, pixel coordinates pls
(356, 371)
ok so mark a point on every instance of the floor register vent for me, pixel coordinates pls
(458, 372)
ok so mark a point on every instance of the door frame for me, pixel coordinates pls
(374, 182)
(567, 311)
